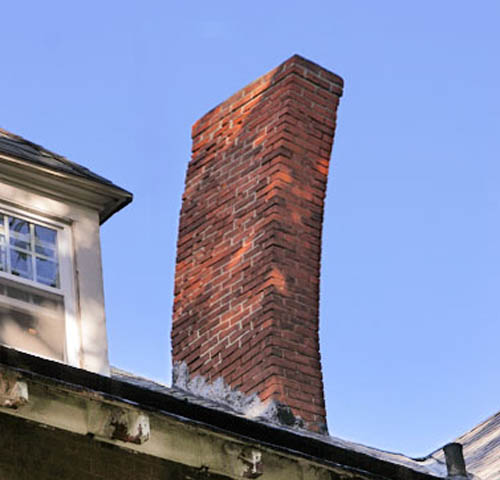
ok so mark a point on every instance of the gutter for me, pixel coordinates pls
(82, 381)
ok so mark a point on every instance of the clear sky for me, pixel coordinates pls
(411, 261)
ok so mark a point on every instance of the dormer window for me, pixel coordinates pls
(28, 250)
(34, 296)
(51, 288)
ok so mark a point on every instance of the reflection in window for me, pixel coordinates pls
(32, 319)
(28, 250)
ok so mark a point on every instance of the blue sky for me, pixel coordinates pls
(411, 264)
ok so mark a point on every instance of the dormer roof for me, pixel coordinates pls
(25, 153)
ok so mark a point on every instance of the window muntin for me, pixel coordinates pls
(29, 250)
(33, 303)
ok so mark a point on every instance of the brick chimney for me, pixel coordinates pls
(249, 247)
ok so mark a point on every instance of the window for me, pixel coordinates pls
(28, 250)
(33, 291)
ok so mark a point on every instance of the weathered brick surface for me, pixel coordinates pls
(31, 451)
(249, 246)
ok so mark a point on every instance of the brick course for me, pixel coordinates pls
(249, 245)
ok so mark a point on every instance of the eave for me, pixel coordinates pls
(89, 386)
(107, 199)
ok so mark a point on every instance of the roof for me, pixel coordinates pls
(20, 148)
(481, 447)
(193, 410)
(426, 466)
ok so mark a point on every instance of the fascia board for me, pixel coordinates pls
(106, 199)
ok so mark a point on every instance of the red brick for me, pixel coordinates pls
(247, 275)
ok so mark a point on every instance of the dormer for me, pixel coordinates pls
(51, 285)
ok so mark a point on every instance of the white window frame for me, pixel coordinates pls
(65, 256)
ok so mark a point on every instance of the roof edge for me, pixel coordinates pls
(277, 438)
(19, 150)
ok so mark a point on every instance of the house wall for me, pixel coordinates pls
(32, 451)
(32, 405)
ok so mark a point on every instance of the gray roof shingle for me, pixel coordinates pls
(426, 465)
(19, 147)
(481, 449)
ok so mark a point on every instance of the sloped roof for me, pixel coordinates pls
(481, 449)
(426, 466)
(19, 147)
(190, 409)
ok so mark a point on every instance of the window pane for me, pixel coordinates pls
(46, 272)
(28, 242)
(31, 295)
(19, 233)
(3, 253)
(45, 235)
(16, 292)
(48, 301)
(21, 264)
(45, 251)
(19, 240)
(19, 226)
(3, 258)
(45, 241)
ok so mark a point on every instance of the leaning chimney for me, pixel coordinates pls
(249, 247)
